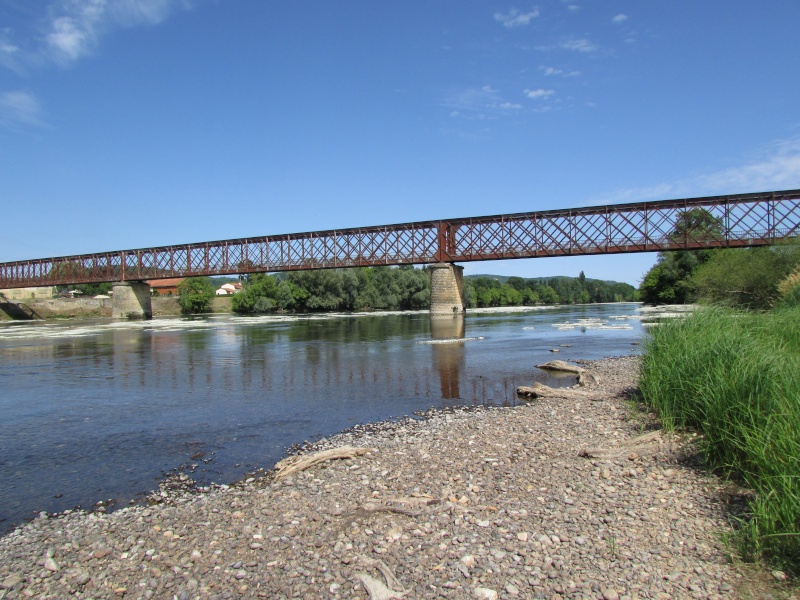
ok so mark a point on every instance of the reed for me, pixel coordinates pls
(735, 377)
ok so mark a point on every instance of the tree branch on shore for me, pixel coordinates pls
(295, 464)
(539, 390)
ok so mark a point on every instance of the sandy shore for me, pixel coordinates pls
(479, 503)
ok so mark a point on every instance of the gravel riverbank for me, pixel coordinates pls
(472, 503)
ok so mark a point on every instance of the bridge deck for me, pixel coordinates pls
(739, 220)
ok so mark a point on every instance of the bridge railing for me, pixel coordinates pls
(709, 222)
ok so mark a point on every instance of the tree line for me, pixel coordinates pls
(516, 291)
(391, 288)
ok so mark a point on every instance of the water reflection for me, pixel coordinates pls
(448, 354)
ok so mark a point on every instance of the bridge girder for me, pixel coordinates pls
(753, 219)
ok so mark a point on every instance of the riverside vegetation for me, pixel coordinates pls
(735, 377)
(394, 288)
(732, 372)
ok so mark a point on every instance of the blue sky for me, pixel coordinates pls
(135, 123)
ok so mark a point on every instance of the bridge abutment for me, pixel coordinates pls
(131, 300)
(447, 289)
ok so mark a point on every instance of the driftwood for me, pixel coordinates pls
(294, 464)
(644, 445)
(538, 390)
(370, 507)
(584, 375)
(411, 507)
(376, 588)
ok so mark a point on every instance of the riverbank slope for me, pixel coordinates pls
(464, 504)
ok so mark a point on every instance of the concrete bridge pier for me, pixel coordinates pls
(131, 300)
(447, 289)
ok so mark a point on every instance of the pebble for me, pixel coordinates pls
(50, 564)
(461, 502)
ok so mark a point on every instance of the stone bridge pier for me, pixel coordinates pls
(447, 289)
(131, 300)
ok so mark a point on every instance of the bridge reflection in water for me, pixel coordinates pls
(447, 345)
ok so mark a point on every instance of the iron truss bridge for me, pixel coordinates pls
(732, 221)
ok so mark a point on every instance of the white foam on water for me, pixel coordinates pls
(589, 323)
(60, 330)
(511, 309)
(452, 340)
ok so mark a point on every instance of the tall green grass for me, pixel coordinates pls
(735, 377)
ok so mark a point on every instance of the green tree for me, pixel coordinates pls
(258, 296)
(667, 282)
(529, 297)
(510, 296)
(322, 290)
(470, 300)
(195, 295)
(696, 225)
(518, 283)
(284, 295)
(414, 286)
(745, 277)
(547, 295)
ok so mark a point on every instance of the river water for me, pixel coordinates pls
(97, 410)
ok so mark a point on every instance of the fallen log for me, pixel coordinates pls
(294, 464)
(648, 444)
(584, 375)
(538, 390)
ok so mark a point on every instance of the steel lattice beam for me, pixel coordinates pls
(740, 220)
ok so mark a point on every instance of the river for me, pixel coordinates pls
(100, 409)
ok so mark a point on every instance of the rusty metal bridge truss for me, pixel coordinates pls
(739, 220)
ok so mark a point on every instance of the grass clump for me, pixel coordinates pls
(735, 377)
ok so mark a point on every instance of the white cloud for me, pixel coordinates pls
(472, 99)
(479, 103)
(573, 7)
(68, 39)
(538, 93)
(19, 108)
(619, 19)
(9, 51)
(509, 106)
(554, 72)
(578, 45)
(776, 167)
(516, 19)
(72, 29)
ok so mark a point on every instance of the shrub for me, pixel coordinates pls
(195, 295)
